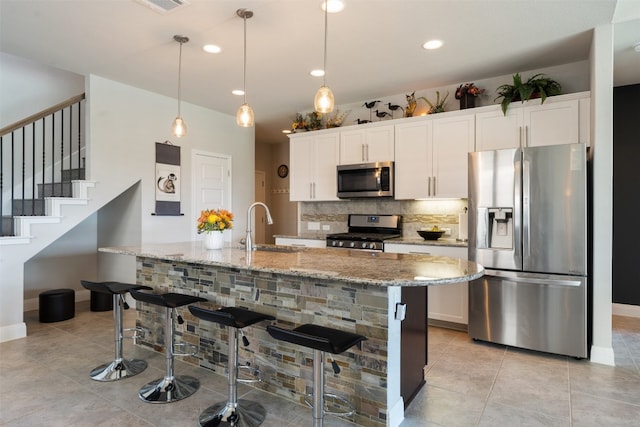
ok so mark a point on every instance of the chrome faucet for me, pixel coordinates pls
(248, 241)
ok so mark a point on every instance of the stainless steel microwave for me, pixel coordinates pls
(365, 180)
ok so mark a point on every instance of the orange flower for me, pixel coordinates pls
(214, 220)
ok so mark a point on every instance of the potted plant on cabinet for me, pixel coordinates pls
(536, 86)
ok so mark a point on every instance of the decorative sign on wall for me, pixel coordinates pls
(167, 180)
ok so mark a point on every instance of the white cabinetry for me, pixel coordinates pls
(305, 243)
(448, 303)
(557, 121)
(313, 160)
(431, 157)
(367, 145)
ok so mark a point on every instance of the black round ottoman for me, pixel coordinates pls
(57, 305)
(101, 301)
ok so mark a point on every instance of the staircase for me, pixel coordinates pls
(41, 161)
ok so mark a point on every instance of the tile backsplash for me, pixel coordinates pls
(416, 214)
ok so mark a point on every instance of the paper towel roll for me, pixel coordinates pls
(463, 227)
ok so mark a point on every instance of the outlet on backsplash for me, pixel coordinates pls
(313, 226)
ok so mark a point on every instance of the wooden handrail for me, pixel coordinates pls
(41, 114)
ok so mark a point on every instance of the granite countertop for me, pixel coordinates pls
(373, 268)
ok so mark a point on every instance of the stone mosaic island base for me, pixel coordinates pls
(349, 290)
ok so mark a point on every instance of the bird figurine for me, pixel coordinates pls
(394, 107)
(370, 105)
(382, 114)
(361, 122)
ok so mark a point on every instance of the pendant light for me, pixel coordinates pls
(244, 116)
(324, 102)
(179, 127)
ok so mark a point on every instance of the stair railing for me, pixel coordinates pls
(39, 157)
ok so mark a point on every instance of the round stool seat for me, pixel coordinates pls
(317, 337)
(57, 305)
(236, 317)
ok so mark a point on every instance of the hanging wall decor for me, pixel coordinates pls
(167, 180)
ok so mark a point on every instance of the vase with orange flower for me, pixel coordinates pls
(213, 223)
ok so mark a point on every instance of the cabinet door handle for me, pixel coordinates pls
(429, 187)
(362, 152)
(311, 190)
(367, 152)
(526, 136)
(434, 186)
(314, 190)
(520, 136)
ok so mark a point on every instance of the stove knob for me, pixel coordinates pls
(364, 245)
(341, 243)
(334, 243)
(372, 245)
(352, 244)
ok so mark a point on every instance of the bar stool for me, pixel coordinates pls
(321, 339)
(240, 413)
(169, 388)
(119, 368)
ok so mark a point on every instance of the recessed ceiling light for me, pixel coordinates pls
(333, 6)
(432, 44)
(317, 73)
(238, 92)
(211, 48)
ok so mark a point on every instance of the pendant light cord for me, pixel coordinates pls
(324, 76)
(179, 78)
(244, 67)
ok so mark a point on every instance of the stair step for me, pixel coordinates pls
(28, 207)
(71, 174)
(57, 189)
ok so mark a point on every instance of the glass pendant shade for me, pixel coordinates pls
(179, 127)
(324, 102)
(244, 117)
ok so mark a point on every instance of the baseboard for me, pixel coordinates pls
(626, 310)
(34, 303)
(448, 325)
(602, 355)
(13, 332)
(395, 414)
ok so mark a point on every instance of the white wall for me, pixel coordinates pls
(124, 124)
(27, 88)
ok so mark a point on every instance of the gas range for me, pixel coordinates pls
(367, 232)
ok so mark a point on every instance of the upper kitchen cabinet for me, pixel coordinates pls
(367, 144)
(431, 157)
(313, 160)
(561, 119)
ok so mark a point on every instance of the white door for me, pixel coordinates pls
(211, 185)
(260, 217)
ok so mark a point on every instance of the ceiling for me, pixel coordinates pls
(374, 46)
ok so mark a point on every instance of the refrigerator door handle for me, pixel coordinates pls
(526, 209)
(517, 279)
(482, 230)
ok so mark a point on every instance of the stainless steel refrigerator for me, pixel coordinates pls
(528, 228)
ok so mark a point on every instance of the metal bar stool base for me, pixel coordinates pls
(118, 370)
(167, 390)
(247, 413)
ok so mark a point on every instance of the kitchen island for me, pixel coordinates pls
(354, 291)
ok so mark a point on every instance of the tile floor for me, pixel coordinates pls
(45, 381)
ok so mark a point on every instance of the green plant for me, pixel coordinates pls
(438, 106)
(523, 91)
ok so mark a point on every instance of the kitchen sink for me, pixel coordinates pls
(283, 249)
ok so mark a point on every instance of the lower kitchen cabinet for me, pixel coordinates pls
(447, 303)
(305, 243)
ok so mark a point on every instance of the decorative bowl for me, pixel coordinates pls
(430, 235)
